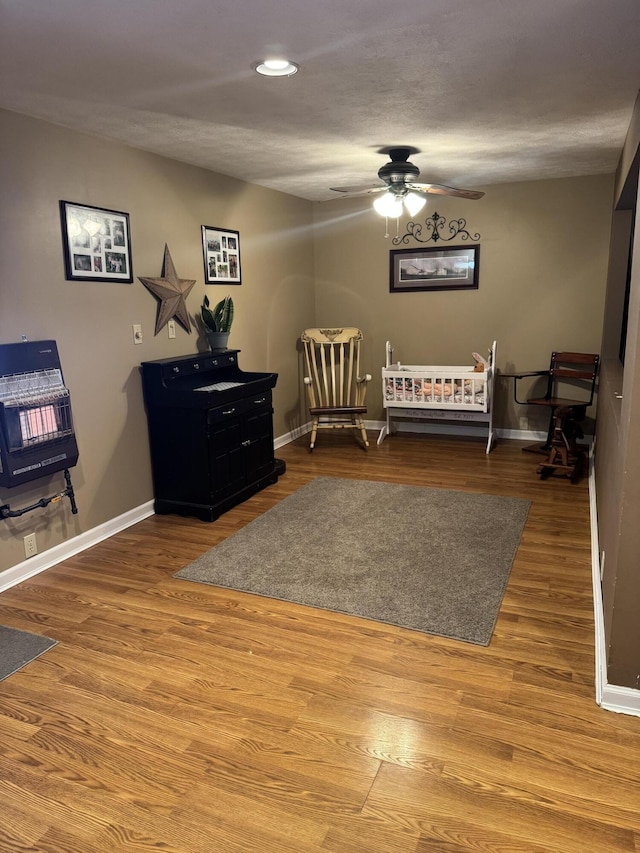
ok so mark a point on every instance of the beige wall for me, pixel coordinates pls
(543, 269)
(618, 433)
(91, 321)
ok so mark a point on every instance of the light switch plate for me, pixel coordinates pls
(137, 333)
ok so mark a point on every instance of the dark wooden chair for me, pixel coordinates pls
(566, 457)
(569, 373)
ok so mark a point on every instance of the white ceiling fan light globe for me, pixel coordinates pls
(388, 205)
(414, 203)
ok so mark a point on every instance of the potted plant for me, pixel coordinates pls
(217, 321)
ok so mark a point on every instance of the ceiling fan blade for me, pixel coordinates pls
(441, 189)
(365, 189)
(399, 177)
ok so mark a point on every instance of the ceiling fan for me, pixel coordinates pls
(401, 186)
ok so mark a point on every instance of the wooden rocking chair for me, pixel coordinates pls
(335, 387)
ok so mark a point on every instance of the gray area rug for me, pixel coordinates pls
(432, 560)
(18, 648)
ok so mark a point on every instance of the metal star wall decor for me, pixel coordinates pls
(171, 292)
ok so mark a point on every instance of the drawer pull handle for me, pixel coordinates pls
(229, 412)
(261, 400)
(246, 443)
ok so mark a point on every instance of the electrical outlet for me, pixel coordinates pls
(30, 545)
(137, 333)
(171, 326)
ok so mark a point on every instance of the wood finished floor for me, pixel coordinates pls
(184, 718)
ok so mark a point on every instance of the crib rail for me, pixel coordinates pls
(435, 387)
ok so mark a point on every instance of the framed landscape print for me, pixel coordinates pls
(450, 268)
(96, 243)
(221, 251)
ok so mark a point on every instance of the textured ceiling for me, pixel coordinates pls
(489, 91)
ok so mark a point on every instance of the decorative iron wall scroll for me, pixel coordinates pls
(433, 227)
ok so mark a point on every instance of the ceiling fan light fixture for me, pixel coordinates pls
(414, 203)
(388, 205)
(276, 68)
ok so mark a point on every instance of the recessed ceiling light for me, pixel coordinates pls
(276, 68)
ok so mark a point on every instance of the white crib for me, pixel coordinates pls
(438, 392)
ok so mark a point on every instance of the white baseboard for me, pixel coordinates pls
(456, 429)
(610, 697)
(479, 430)
(35, 565)
(288, 437)
(426, 427)
(620, 700)
(521, 434)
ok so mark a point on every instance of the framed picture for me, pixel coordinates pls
(221, 250)
(449, 268)
(96, 243)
